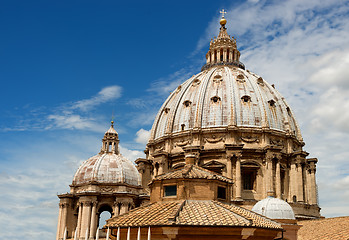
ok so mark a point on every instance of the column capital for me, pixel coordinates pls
(86, 202)
(64, 205)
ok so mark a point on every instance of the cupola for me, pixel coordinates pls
(223, 50)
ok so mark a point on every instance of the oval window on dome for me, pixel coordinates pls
(272, 103)
(196, 82)
(246, 98)
(240, 78)
(166, 110)
(215, 99)
(187, 103)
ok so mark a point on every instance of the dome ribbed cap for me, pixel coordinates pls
(109, 166)
(274, 208)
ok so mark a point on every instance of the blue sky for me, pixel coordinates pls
(65, 66)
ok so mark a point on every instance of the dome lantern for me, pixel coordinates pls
(110, 141)
(223, 50)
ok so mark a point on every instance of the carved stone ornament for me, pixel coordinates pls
(277, 142)
(182, 143)
(250, 139)
(106, 189)
(214, 139)
(159, 148)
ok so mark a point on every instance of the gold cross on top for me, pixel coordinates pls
(223, 12)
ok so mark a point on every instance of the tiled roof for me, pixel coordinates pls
(192, 213)
(192, 172)
(325, 229)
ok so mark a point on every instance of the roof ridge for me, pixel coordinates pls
(235, 214)
(246, 212)
(173, 219)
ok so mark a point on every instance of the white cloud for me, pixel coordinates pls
(164, 86)
(142, 136)
(131, 155)
(106, 94)
(76, 115)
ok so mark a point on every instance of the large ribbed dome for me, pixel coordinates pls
(224, 96)
(109, 166)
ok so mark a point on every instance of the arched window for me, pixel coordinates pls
(104, 213)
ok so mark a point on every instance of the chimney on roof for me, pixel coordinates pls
(190, 159)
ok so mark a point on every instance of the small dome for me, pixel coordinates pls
(108, 168)
(274, 208)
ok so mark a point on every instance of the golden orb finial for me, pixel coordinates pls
(223, 21)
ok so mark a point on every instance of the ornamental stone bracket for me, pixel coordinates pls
(233, 150)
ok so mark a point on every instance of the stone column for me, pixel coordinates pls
(300, 195)
(225, 55)
(64, 217)
(124, 207)
(278, 180)
(218, 55)
(229, 167)
(86, 218)
(313, 187)
(231, 52)
(269, 176)
(93, 224)
(116, 209)
(58, 234)
(238, 177)
(78, 228)
(292, 185)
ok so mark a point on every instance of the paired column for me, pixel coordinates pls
(278, 180)
(93, 224)
(58, 235)
(78, 228)
(62, 219)
(229, 167)
(300, 191)
(269, 176)
(293, 183)
(238, 177)
(312, 180)
(86, 218)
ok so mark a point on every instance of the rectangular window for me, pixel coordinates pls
(170, 190)
(221, 193)
(248, 180)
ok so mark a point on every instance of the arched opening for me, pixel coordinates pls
(221, 55)
(104, 213)
(156, 168)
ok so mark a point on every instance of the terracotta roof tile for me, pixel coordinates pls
(192, 213)
(192, 172)
(324, 229)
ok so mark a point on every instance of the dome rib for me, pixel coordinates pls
(203, 113)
